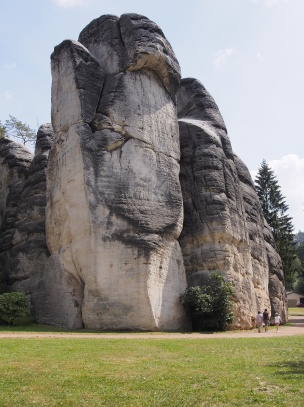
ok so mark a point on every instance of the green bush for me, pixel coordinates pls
(14, 307)
(209, 305)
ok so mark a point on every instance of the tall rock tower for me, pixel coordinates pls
(224, 225)
(114, 203)
(133, 194)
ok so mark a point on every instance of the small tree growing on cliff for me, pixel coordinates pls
(13, 307)
(2, 130)
(210, 305)
(21, 131)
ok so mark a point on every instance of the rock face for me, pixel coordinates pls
(223, 226)
(29, 252)
(277, 292)
(114, 206)
(15, 161)
(130, 196)
(262, 246)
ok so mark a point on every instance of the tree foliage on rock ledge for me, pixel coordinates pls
(13, 307)
(15, 128)
(275, 212)
(2, 130)
(209, 305)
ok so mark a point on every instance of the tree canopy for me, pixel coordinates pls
(16, 129)
(275, 212)
(299, 283)
(2, 130)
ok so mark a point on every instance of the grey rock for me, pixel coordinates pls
(277, 292)
(223, 222)
(132, 42)
(15, 161)
(114, 206)
(82, 76)
(29, 252)
(92, 226)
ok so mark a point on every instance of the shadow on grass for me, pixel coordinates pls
(298, 321)
(41, 328)
(290, 368)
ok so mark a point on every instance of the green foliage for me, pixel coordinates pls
(210, 305)
(2, 130)
(16, 129)
(274, 210)
(299, 237)
(299, 286)
(300, 252)
(13, 307)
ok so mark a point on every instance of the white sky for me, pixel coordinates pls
(249, 54)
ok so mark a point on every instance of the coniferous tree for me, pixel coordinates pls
(299, 283)
(274, 210)
(17, 129)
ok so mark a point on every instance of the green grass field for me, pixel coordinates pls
(296, 311)
(154, 372)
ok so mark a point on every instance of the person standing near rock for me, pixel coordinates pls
(277, 320)
(266, 319)
(259, 320)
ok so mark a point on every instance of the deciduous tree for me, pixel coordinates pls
(210, 305)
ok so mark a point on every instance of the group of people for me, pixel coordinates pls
(264, 319)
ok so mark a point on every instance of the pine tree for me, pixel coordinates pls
(299, 284)
(274, 210)
(17, 129)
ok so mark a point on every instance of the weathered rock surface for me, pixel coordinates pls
(223, 226)
(15, 161)
(91, 226)
(277, 292)
(264, 255)
(114, 207)
(29, 252)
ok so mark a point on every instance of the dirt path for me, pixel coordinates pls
(296, 328)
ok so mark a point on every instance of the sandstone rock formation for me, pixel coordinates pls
(261, 242)
(114, 207)
(223, 225)
(29, 251)
(104, 227)
(15, 161)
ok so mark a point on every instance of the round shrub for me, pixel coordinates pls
(13, 307)
(209, 305)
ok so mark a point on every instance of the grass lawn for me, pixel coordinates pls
(155, 372)
(296, 311)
